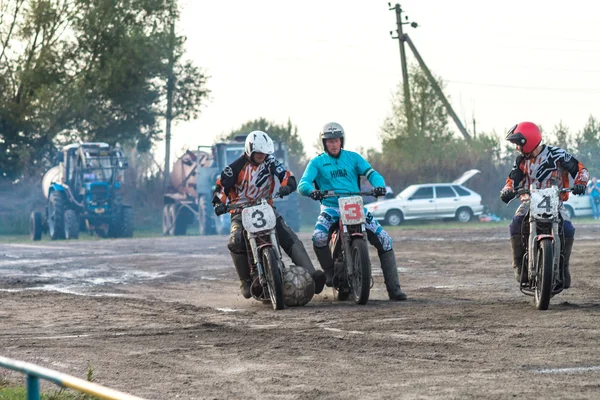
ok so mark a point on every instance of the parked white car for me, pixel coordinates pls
(430, 201)
(578, 206)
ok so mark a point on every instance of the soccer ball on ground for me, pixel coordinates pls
(298, 286)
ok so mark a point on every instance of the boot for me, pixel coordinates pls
(390, 276)
(518, 252)
(300, 258)
(245, 288)
(326, 262)
(567, 254)
(240, 261)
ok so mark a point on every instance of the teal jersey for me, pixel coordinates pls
(340, 174)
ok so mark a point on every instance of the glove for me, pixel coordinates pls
(284, 191)
(578, 189)
(220, 208)
(316, 195)
(379, 191)
(507, 195)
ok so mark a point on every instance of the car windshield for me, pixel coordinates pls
(405, 194)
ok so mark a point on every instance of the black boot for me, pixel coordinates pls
(240, 261)
(567, 255)
(390, 276)
(300, 257)
(518, 251)
(324, 257)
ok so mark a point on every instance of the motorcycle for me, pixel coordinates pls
(542, 274)
(264, 253)
(349, 248)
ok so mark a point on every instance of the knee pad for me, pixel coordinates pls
(515, 225)
(319, 238)
(568, 229)
(236, 242)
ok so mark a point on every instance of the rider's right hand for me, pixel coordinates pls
(220, 208)
(507, 195)
(316, 195)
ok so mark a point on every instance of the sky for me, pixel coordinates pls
(316, 61)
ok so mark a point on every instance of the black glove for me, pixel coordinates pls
(507, 195)
(284, 191)
(379, 191)
(220, 208)
(578, 189)
(316, 195)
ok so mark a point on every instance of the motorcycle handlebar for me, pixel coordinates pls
(253, 202)
(331, 193)
(522, 191)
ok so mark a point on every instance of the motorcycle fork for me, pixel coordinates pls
(256, 250)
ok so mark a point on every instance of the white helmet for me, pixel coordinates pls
(258, 141)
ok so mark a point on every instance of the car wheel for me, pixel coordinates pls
(568, 212)
(394, 218)
(464, 215)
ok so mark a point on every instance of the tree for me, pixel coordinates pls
(432, 152)
(588, 146)
(87, 70)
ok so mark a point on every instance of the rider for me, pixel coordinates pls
(249, 177)
(542, 166)
(340, 170)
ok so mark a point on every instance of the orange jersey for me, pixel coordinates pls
(243, 181)
(552, 167)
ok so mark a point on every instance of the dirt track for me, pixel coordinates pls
(162, 319)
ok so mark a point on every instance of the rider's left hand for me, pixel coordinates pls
(578, 189)
(379, 191)
(284, 191)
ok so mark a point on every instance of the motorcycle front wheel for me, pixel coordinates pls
(543, 287)
(360, 277)
(270, 263)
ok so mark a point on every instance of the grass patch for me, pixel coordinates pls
(14, 392)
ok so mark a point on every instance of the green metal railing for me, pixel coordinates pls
(34, 373)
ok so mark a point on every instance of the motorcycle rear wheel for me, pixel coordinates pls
(360, 278)
(545, 267)
(270, 263)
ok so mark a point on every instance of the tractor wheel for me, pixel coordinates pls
(71, 224)
(167, 222)
(126, 227)
(56, 213)
(35, 225)
(206, 217)
(178, 215)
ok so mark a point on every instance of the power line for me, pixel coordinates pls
(578, 90)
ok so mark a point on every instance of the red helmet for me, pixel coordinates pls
(527, 135)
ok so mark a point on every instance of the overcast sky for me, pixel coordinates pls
(315, 61)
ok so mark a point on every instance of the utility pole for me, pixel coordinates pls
(169, 116)
(437, 88)
(407, 102)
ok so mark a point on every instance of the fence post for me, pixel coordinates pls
(33, 387)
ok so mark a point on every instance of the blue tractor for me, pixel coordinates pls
(83, 193)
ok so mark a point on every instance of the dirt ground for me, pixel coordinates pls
(162, 318)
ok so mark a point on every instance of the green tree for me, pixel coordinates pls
(432, 152)
(88, 70)
(588, 146)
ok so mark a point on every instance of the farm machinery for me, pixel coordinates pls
(193, 179)
(83, 193)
